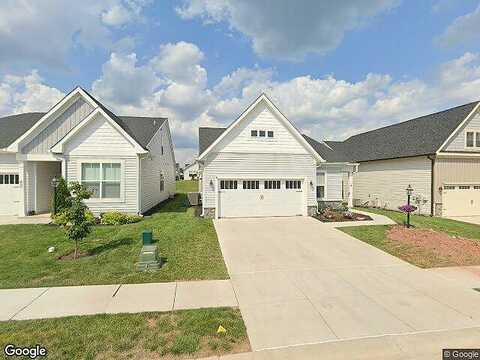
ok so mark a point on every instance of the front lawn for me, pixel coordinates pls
(181, 334)
(432, 242)
(187, 243)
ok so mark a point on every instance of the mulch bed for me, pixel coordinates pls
(80, 254)
(338, 216)
(429, 248)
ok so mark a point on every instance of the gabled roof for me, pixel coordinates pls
(327, 152)
(282, 118)
(140, 128)
(424, 135)
(207, 136)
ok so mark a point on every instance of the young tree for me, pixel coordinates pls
(62, 199)
(78, 226)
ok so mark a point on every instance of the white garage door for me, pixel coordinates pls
(257, 198)
(9, 194)
(461, 200)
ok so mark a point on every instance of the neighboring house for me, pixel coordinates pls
(127, 162)
(261, 165)
(190, 171)
(437, 154)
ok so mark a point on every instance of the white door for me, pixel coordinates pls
(461, 200)
(260, 198)
(9, 193)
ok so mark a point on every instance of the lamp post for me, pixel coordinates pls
(409, 190)
(54, 183)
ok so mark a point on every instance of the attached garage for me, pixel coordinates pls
(259, 198)
(9, 193)
(461, 200)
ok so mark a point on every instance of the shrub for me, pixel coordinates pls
(407, 208)
(62, 199)
(118, 218)
(61, 218)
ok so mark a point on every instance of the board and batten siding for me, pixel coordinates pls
(382, 183)
(155, 164)
(457, 143)
(99, 140)
(58, 128)
(255, 166)
(8, 164)
(239, 140)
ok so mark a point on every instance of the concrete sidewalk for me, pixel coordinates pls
(39, 303)
(425, 345)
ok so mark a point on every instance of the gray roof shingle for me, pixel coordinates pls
(420, 136)
(140, 128)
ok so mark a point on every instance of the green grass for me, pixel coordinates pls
(377, 236)
(125, 336)
(189, 245)
(451, 227)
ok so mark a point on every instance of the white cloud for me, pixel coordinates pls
(463, 30)
(44, 32)
(27, 93)
(285, 29)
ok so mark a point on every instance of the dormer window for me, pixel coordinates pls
(254, 133)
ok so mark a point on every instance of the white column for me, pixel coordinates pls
(217, 202)
(350, 189)
(23, 188)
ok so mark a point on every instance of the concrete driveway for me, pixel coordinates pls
(299, 281)
(468, 219)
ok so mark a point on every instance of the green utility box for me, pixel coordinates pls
(147, 237)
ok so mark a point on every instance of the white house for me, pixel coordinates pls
(261, 165)
(127, 162)
(191, 171)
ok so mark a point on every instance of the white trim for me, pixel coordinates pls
(287, 123)
(475, 135)
(459, 127)
(458, 154)
(121, 199)
(325, 196)
(67, 100)
(38, 157)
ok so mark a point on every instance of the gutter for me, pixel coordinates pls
(432, 186)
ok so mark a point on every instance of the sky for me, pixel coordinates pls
(334, 68)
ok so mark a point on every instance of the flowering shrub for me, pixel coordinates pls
(407, 208)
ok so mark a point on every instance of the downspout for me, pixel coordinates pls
(432, 186)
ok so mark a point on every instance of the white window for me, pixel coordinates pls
(472, 139)
(293, 184)
(272, 184)
(102, 179)
(251, 184)
(228, 184)
(261, 133)
(9, 179)
(254, 133)
(162, 183)
(270, 134)
(449, 187)
(321, 186)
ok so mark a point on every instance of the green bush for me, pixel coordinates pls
(61, 218)
(118, 218)
(62, 199)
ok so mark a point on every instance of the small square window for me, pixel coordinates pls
(254, 133)
(262, 133)
(270, 134)
(1, 179)
(469, 140)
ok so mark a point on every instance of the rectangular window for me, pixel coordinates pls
(251, 184)
(228, 184)
(464, 187)
(254, 133)
(102, 179)
(320, 191)
(272, 184)
(1, 179)
(270, 134)
(7, 179)
(261, 133)
(476, 187)
(293, 184)
(162, 183)
(449, 187)
(469, 140)
(477, 139)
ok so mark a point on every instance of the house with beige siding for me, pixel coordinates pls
(127, 162)
(261, 165)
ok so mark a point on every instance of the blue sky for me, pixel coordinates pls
(335, 68)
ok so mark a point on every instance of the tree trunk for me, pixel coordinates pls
(76, 250)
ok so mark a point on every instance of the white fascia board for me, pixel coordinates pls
(289, 125)
(28, 135)
(459, 127)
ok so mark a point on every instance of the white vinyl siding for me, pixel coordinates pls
(240, 140)
(458, 142)
(100, 141)
(58, 128)
(261, 167)
(333, 175)
(382, 183)
(155, 165)
(9, 194)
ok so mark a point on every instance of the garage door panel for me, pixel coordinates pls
(9, 193)
(260, 202)
(461, 200)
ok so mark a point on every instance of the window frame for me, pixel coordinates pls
(264, 132)
(232, 184)
(101, 162)
(270, 132)
(272, 184)
(293, 184)
(324, 185)
(7, 179)
(475, 139)
(254, 133)
(247, 184)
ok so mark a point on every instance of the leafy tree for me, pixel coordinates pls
(62, 199)
(78, 225)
